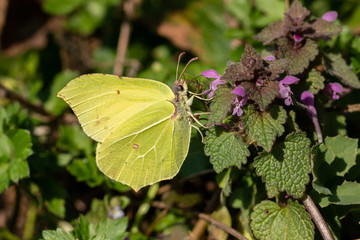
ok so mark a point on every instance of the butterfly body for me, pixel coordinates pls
(143, 128)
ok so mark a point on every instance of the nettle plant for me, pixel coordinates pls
(261, 115)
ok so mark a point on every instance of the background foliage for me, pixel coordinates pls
(48, 174)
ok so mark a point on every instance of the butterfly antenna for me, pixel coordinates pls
(191, 60)
(178, 63)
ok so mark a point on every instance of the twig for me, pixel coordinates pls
(124, 35)
(317, 218)
(6, 93)
(3, 11)
(222, 226)
(352, 108)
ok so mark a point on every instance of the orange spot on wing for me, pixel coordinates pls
(135, 146)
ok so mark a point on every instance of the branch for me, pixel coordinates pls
(317, 218)
(222, 226)
(38, 108)
(124, 35)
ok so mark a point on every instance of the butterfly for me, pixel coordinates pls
(142, 127)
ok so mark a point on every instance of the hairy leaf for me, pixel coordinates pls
(225, 148)
(270, 221)
(236, 72)
(277, 67)
(274, 31)
(315, 82)
(323, 29)
(299, 58)
(264, 127)
(297, 13)
(221, 104)
(263, 95)
(59, 234)
(287, 166)
(251, 59)
(337, 67)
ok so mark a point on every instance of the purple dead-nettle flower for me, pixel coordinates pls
(270, 58)
(213, 85)
(116, 212)
(330, 16)
(239, 92)
(333, 90)
(285, 90)
(308, 99)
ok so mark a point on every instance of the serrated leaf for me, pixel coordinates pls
(264, 127)
(225, 148)
(251, 59)
(112, 229)
(263, 95)
(323, 29)
(270, 221)
(277, 67)
(59, 234)
(314, 82)
(299, 58)
(82, 228)
(345, 194)
(287, 166)
(297, 12)
(333, 158)
(336, 66)
(221, 105)
(271, 190)
(236, 72)
(274, 31)
(18, 169)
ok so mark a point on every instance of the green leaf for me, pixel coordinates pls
(315, 82)
(271, 190)
(336, 66)
(56, 206)
(61, 7)
(225, 148)
(264, 127)
(54, 104)
(4, 177)
(270, 221)
(112, 229)
(21, 141)
(287, 166)
(299, 58)
(59, 234)
(334, 157)
(82, 228)
(345, 194)
(18, 169)
(86, 170)
(221, 105)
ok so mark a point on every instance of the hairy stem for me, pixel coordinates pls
(317, 218)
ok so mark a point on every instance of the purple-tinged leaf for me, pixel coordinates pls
(297, 13)
(263, 95)
(236, 72)
(251, 59)
(274, 31)
(299, 58)
(323, 29)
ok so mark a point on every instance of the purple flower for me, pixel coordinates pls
(284, 89)
(213, 85)
(239, 92)
(270, 58)
(330, 16)
(333, 90)
(308, 99)
(297, 38)
(116, 212)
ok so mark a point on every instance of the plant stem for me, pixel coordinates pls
(124, 35)
(317, 218)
